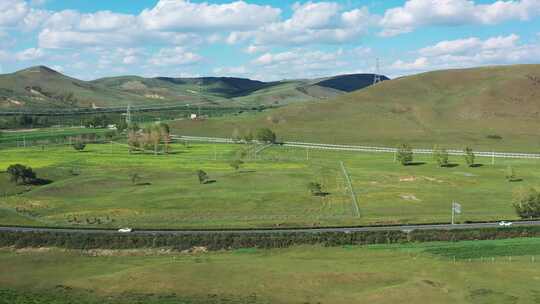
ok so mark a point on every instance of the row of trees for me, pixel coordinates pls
(405, 155)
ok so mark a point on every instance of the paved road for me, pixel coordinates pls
(268, 231)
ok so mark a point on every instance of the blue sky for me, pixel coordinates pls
(265, 39)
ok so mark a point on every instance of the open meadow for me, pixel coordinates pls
(502, 271)
(105, 186)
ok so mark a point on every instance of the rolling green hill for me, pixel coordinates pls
(488, 108)
(42, 87)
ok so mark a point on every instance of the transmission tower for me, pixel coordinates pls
(128, 115)
(377, 76)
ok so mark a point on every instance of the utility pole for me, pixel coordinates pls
(456, 208)
(128, 115)
(453, 213)
(377, 76)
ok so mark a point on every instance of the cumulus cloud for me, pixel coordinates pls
(311, 22)
(185, 15)
(254, 49)
(12, 12)
(301, 63)
(30, 54)
(20, 15)
(174, 56)
(418, 64)
(471, 52)
(417, 13)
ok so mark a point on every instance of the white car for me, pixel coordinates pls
(505, 224)
(125, 230)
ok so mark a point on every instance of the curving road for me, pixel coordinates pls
(405, 228)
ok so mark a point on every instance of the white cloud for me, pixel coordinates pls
(471, 52)
(55, 39)
(12, 12)
(174, 56)
(301, 63)
(30, 54)
(254, 49)
(418, 64)
(451, 47)
(187, 16)
(311, 22)
(417, 13)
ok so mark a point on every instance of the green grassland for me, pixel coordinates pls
(474, 272)
(493, 108)
(94, 188)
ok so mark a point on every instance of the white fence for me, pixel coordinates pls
(363, 148)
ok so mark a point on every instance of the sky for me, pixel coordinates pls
(265, 39)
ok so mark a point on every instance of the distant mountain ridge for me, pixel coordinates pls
(43, 87)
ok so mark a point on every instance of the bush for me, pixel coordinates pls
(315, 188)
(203, 177)
(21, 174)
(527, 203)
(79, 146)
(405, 154)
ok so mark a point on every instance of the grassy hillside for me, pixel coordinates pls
(488, 108)
(42, 87)
(349, 83)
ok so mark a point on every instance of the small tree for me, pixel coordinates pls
(79, 146)
(165, 132)
(511, 174)
(21, 174)
(315, 188)
(527, 203)
(441, 156)
(203, 177)
(248, 137)
(236, 164)
(236, 135)
(405, 154)
(469, 156)
(266, 135)
(135, 178)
